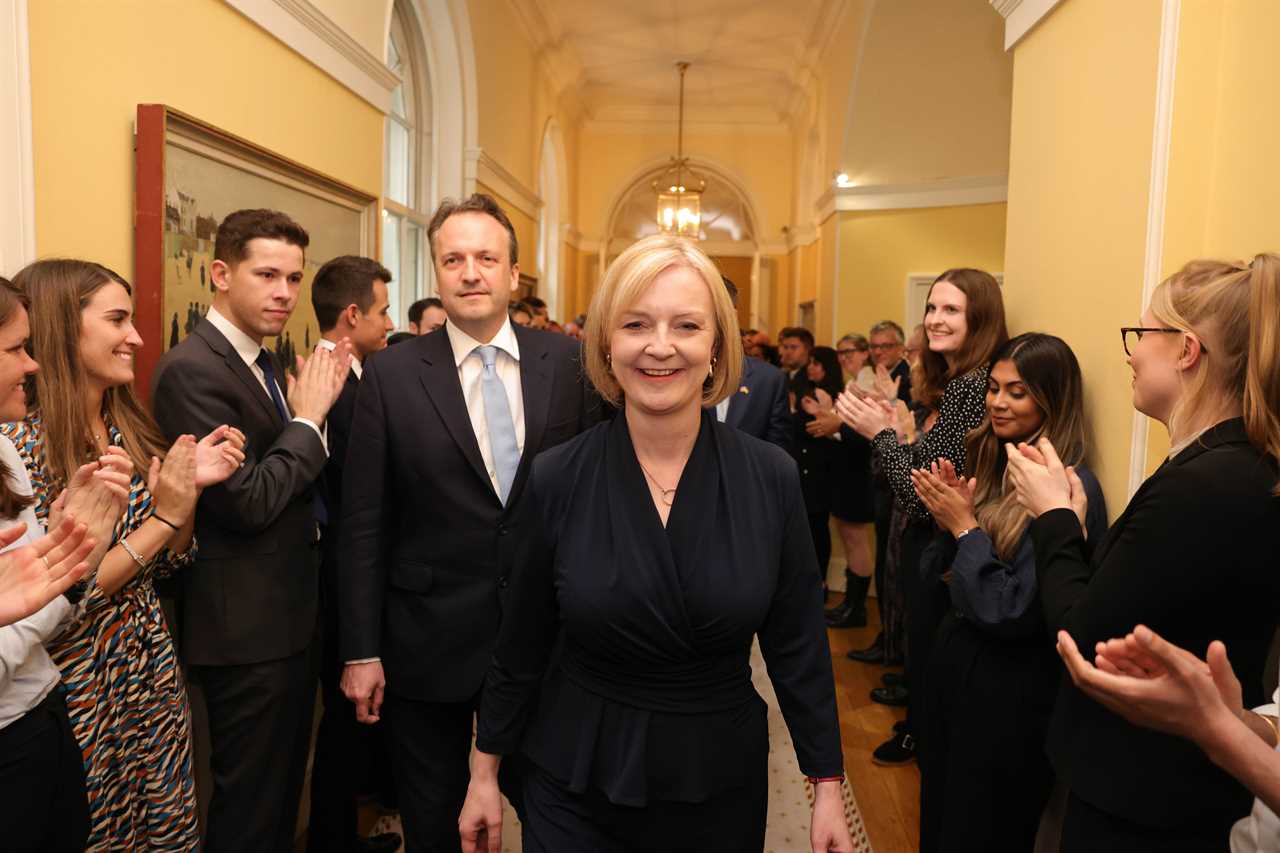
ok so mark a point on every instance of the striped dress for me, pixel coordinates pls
(125, 692)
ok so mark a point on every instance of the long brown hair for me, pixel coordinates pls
(1236, 309)
(58, 291)
(1049, 370)
(11, 503)
(985, 332)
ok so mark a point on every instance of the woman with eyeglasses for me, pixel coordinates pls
(852, 499)
(1192, 557)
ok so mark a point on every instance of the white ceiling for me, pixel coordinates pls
(749, 57)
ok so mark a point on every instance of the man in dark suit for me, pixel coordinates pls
(759, 407)
(448, 426)
(350, 298)
(249, 610)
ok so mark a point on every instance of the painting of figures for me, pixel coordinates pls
(199, 176)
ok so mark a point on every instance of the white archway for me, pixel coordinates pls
(553, 176)
(451, 70)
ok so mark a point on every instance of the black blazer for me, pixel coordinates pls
(759, 407)
(251, 594)
(338, 434)
(426, 544)
(1193, 557)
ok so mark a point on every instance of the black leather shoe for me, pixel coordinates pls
(894, 697)
(894, 679)
(836, 613)
(873, 653)
(896, 751)
(383, 842)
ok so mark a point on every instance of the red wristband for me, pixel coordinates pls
(814, 780)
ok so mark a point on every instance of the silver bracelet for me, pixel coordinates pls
(137, 558)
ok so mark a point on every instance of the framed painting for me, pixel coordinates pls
(189, 175)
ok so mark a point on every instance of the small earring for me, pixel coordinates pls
(712, 371)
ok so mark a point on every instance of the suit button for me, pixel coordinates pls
(502, 582)
(804, 471)
(804, 450)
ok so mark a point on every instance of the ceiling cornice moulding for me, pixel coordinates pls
(309, 32)
(1021, 16)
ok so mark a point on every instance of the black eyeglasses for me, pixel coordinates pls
(882, 347)
(849, 351)
(1139, 331)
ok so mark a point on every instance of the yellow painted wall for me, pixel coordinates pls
(506, 87)
(93, 62)
(931, 97)
(1084, 86)
(364, 20)
(880, 248)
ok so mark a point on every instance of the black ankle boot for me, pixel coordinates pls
(839, 611)
(873, 653)
(855, 614)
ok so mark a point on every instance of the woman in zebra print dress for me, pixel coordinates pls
(125, 693)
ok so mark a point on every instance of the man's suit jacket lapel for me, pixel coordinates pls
(536, 378)
(218, 343)
(440, 380)
(738, 402)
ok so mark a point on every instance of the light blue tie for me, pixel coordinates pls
(497, 416)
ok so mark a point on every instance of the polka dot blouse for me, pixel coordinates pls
(961, 409)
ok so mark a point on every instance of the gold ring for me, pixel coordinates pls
(46, 562)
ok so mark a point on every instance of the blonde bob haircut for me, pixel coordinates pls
(626, 279)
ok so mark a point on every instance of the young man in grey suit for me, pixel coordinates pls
(250, 601)
(448, 426)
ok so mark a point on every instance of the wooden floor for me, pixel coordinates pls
(889, 797)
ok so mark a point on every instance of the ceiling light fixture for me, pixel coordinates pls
(679, 188)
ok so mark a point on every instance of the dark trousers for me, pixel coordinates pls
(557, 820)
(984, 773)
(820, 529)
(883, 502)
(926, 602)
(43, 806)
(260, 717)
(344, 754)
(1088, 829)
(430, 746)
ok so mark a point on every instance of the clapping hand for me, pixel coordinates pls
(948, 498)
(96, 496)
(35, 574)
(320, 380)
(1042, 482)
(1151, 682)
(218, 455)
(825, 421)
(865, 416)
(887, 386)
(172, 483)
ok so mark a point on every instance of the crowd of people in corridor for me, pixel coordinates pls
(530, 559)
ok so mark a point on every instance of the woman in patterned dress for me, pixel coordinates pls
(125, 693)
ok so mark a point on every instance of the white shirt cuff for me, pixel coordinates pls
(363, 660)
(319, 432)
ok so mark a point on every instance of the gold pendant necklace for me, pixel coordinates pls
(668, 495)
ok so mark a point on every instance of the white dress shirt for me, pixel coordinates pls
(355, 362)
(469, 369)
(247, 348)
(27, 673)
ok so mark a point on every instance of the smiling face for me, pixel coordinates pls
(851, 358)
(1015, 415)
(886, 349)
(944, 318)
(108, 340)
(258, 293)
(474, 273)
(15, 365)
(663, 343)
(1157, 376)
